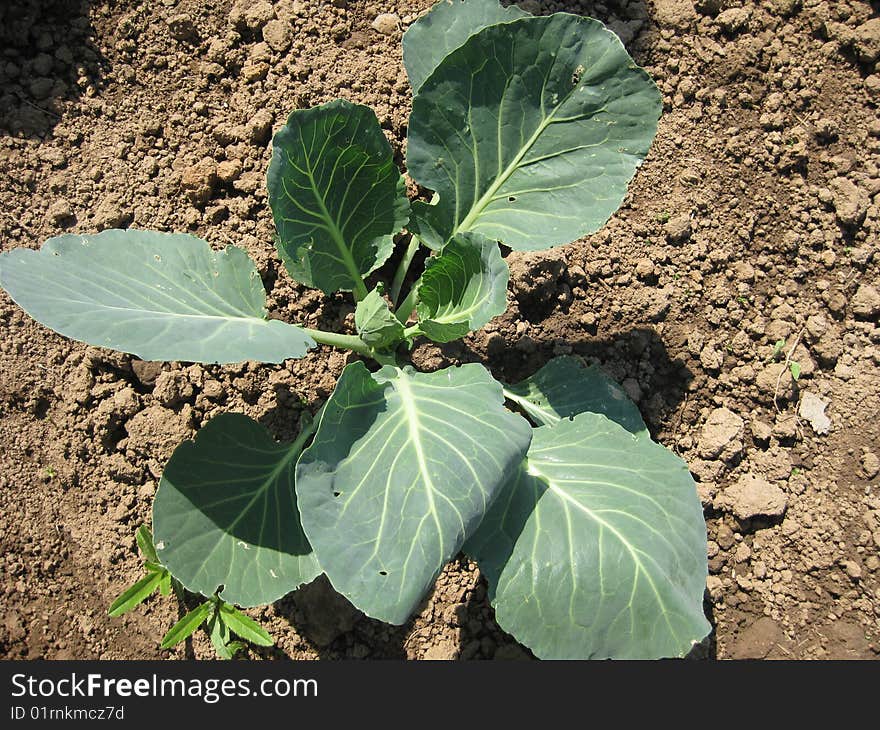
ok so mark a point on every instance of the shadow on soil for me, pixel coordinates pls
(47, 48)
(627, 19)
(663, 387)
(334, 629)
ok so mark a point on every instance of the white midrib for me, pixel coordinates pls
(546, 416)
(566, 498)
(411, 414)
(339, 240)
(477, 210)
(457, 315)
(334, 231)
(294, 450)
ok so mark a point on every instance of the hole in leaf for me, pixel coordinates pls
(383, 572)
(336, 494)
(511, 199)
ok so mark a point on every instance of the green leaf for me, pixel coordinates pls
(402, 469)
(531, 131)
(597, 547)
(184, 628)
(427, 223)
(225, 514)
(245, 626)
(462, 288)
(795, 369)
(160, 296)
(165, 585)
(235, 647)
(135, 595)
(145, 543)
(564, 387)
(449, 24)
(219, 633)
(336, 196)
(375, 322)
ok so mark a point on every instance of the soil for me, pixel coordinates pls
(754, 219)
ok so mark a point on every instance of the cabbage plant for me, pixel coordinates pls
(525, 131)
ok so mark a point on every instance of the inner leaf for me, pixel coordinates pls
(336, 196)
(462, 288)
(376, 324)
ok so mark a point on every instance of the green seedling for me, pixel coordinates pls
(221, 617)
(221, 620)
(157, 578)
(778, 348)
(778, 354)
(527, 130)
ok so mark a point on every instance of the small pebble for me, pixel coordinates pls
(386, 23)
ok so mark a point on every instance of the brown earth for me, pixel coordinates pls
(754, 219)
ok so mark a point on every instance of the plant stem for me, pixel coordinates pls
(353, 343)
(400, 274)
(405, 309)
(177, 587)
(345, 342)
(413, 331)
(785, 370)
